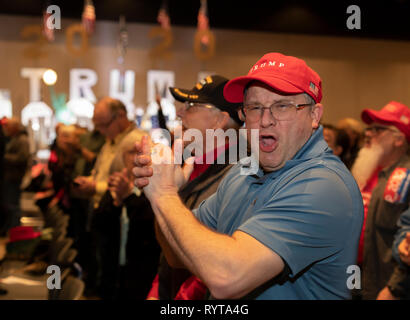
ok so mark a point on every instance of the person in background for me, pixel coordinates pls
(16, 162)
(389, 130)
(401, 252)
(288, 231)
(338, 141)
(354, 129)
(61, 165)
(88, 147)
(126, 223)
(110, 119)
(2, 150)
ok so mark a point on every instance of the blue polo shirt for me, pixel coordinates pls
(310, 213)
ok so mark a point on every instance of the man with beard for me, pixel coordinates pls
(365, 170)
(383, 171)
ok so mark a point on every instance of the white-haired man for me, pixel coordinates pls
(386, 146)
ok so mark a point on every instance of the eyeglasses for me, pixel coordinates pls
(281, 111)
(189, 105)
(375, 130)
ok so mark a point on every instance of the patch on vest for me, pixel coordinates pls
(397, 186)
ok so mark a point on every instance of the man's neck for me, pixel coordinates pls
(124, 127)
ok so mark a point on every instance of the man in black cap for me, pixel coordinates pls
(204, 108)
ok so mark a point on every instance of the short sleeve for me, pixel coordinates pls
(307, 220)
(209, 209)
(206, 212)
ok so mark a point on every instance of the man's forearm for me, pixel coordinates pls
(230, 266)
(204, 252)
(171, 257)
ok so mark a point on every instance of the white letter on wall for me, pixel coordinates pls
(81, 81)
(123, 91)
(34, 75)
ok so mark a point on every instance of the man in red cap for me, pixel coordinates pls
(389, 132)
(288, 231)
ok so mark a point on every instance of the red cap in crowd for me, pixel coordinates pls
(394, 113)
(22, 233)
(286, 74)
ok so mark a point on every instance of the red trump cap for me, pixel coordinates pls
(394, 113)
(286, 74)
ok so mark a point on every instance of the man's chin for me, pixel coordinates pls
(270, 165)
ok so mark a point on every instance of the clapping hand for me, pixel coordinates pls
(156, 171)
(120, 186)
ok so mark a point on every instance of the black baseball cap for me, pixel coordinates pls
(209, 90)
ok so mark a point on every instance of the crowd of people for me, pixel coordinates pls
(324, 197)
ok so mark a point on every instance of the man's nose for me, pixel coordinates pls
(267, 118)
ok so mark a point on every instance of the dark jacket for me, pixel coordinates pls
(142, 249)
(379, 267)
(16, 158)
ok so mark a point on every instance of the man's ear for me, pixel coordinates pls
(338, 150)
(400, 141)
(223, 119)
(241, 115)
(316, 114)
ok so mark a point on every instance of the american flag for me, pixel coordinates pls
(122, 40)
(48, 32)
(314, 89)
(89, 16)
(203, 21)
(163, 17)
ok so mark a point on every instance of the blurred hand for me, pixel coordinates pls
(385, 294)
(404, 249)
(183, 173)
(120, 186)
(84, 187)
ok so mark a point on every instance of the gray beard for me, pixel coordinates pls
(368, 159)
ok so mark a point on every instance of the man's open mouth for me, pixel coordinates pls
(267, 142)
